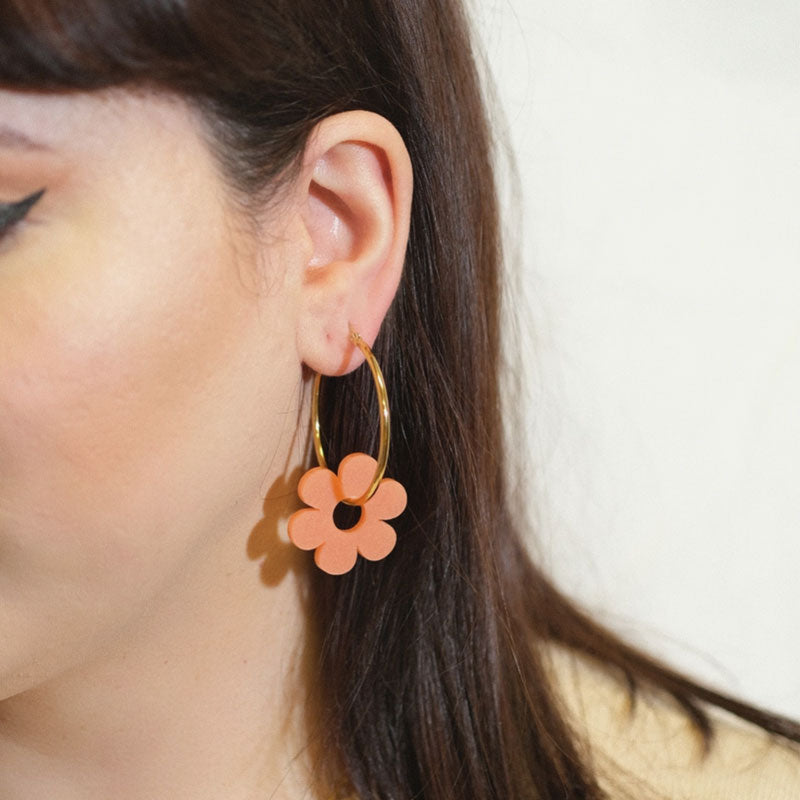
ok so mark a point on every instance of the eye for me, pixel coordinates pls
(12, 214)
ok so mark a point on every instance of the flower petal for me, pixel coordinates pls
(388, 502)
(356, 472)
(338, 554)
(376, 540)
(319, 488)
(309, 528)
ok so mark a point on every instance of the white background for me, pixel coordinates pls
(659, 154)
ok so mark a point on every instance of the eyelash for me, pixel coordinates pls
(14, 213)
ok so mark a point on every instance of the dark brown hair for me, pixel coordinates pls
(431, 661)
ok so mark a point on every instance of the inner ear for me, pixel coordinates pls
(331, 225)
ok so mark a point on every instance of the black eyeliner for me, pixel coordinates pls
(14, 212)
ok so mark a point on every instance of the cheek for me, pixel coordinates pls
(103, 356)
(121, 371)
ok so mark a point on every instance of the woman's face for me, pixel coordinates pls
(148, 379)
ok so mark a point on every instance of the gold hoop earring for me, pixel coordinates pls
(359, 481)
(385, 421)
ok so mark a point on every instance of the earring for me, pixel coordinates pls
(358, 482)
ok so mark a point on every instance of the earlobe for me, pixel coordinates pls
(356, 210)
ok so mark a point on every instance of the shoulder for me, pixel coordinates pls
(652, 747)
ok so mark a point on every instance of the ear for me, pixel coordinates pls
(356, 187)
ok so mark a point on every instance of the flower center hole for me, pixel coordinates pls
(346, 517)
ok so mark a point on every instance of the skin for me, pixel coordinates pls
(156, 354)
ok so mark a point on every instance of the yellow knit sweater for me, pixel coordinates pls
(654, 752)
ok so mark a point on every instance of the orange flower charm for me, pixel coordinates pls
(313, 528)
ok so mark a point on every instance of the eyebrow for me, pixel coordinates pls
(17, 140)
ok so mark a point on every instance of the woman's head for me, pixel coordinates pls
(227, 190)
(246, 200)
(152, 335)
